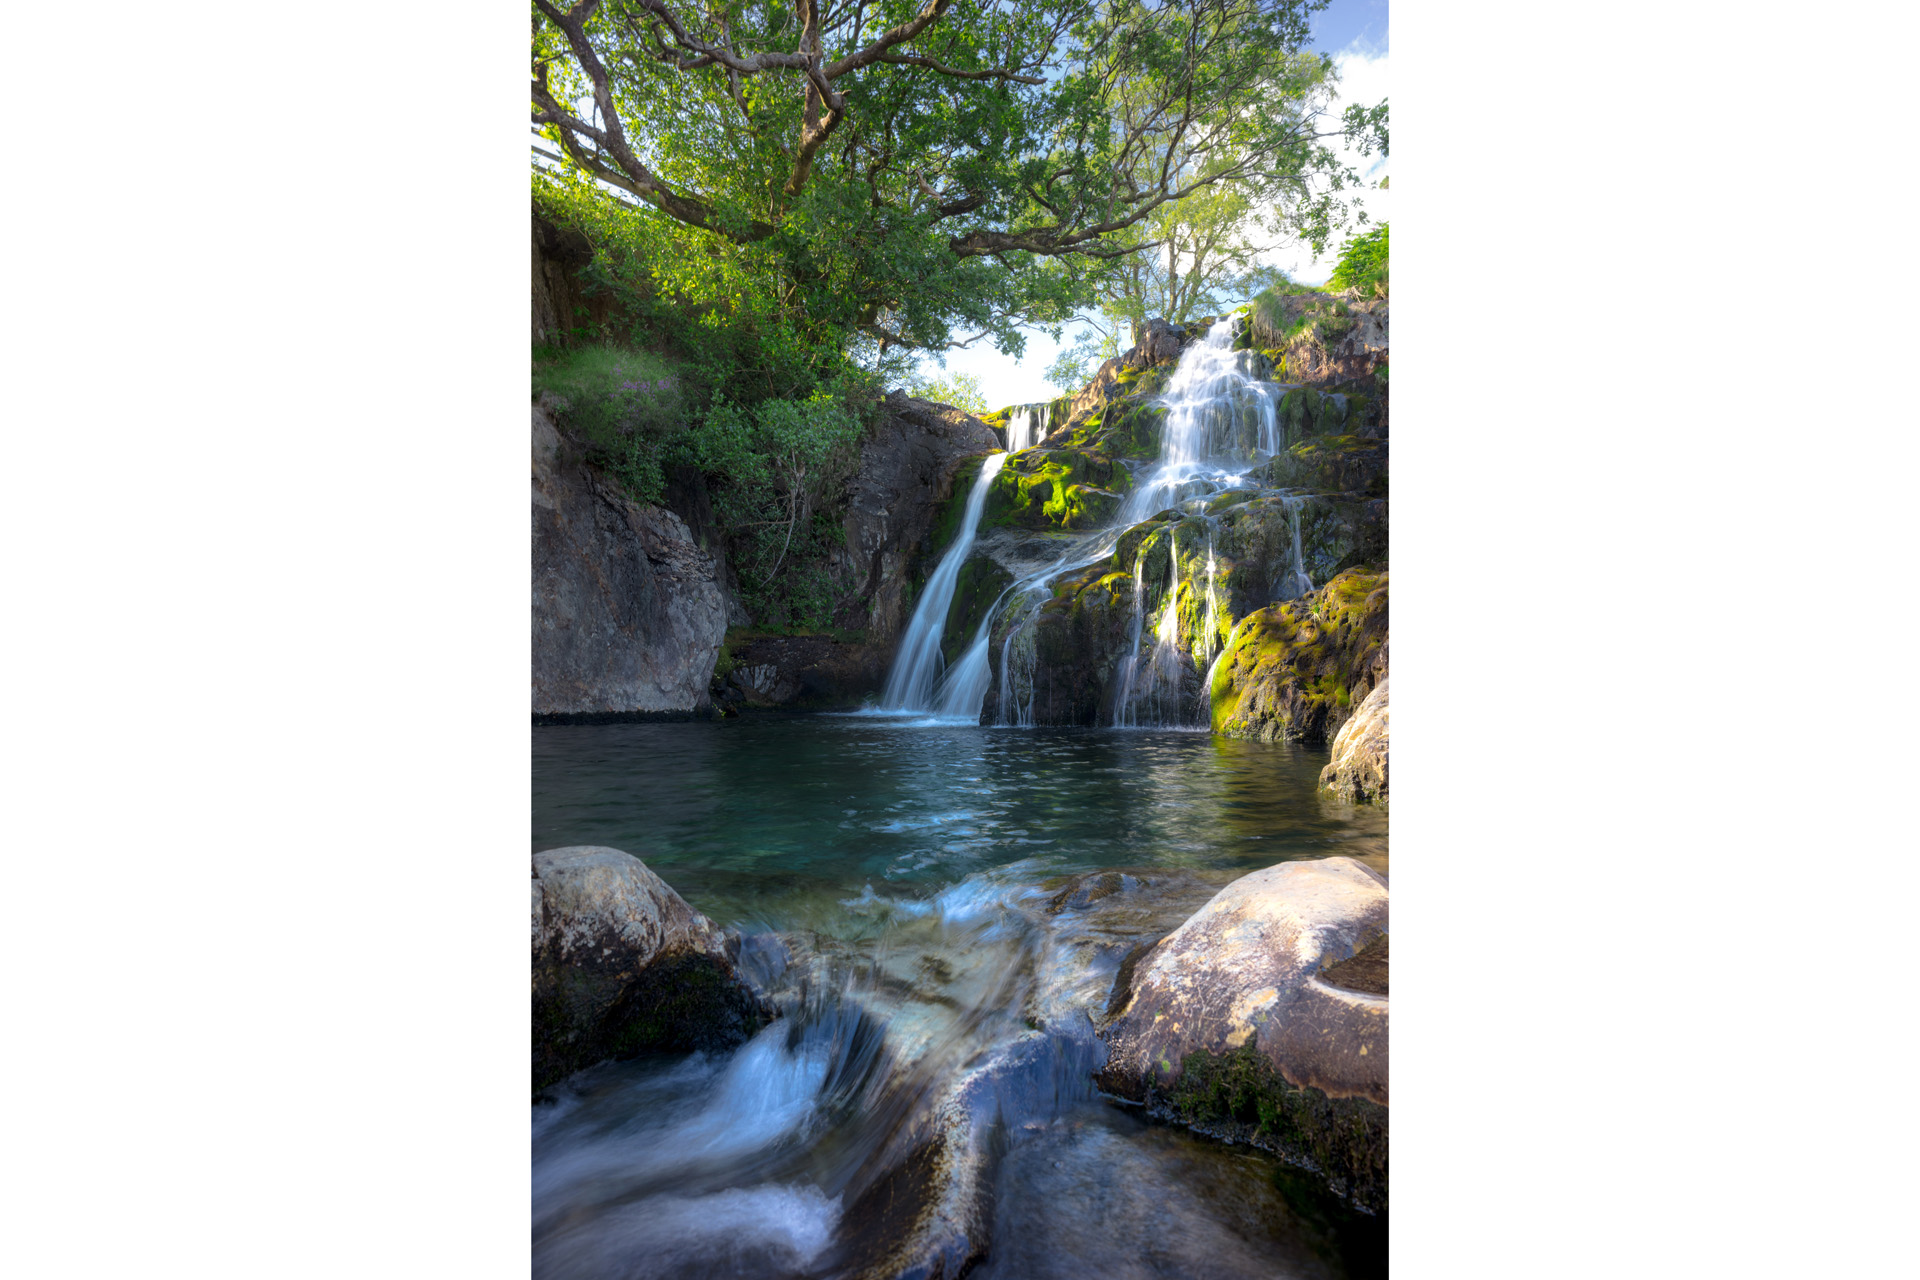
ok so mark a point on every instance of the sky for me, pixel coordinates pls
(1355, 32)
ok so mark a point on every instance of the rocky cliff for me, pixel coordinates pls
(628, 614)
(908, 473)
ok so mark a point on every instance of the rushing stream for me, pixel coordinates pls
(916, 899)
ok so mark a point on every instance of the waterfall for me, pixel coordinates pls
(1022, 429)
(1222, 420)
(911, 683)
(1300, 583)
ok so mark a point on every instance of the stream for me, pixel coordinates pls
(918, 900)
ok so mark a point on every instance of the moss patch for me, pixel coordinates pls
(1241, 1095)
(1295, 670)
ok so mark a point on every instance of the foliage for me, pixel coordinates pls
(961, 390)
(624, 405)
(1363, 263)
(909, 168)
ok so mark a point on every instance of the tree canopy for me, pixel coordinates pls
(929, 172)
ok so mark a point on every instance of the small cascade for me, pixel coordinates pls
(911, 685)
(1023, 428)
(1130, 664)
(1213, 599)
(1300, 583)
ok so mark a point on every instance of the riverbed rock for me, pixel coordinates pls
(621, 965)
(628, 614)
(1296, 671)
(931, 1217)
(1231, 1022)
(1358, 770)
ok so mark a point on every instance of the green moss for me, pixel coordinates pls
(1346, 1138)
(1066, 488)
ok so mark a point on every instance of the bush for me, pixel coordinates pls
(1363, 264)
(624, 405)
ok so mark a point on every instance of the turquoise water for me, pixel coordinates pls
(909, 878)
(763, 820)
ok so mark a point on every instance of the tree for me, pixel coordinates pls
(902, 169)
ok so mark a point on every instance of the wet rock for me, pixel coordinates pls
(932, 1217)
(909, 468)
(1229, 1022)
(621, 964)
(1298, 670)
(1065, 488)
(1359, 767)
(628, 614)
(903, 505)
(814, 673)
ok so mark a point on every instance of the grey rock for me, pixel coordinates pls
(622, 964)
(1245, 970)
(1358, 770)
(628, 614)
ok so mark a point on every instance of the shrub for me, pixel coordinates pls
(1363, 263)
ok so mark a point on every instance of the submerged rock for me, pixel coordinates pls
(1359, 767)
(621, 964)
(1231, 1022)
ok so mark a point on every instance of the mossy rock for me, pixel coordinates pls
(1064, 488)
(980, 582)
(1296, 670)
(947, 517)
(1341, 464)
(1240, 1095)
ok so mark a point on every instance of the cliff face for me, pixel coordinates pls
(627, 613)
(906, 483)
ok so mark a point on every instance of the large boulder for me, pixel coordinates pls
(1240, 1020)
(628, 614)
(1297, 671)
(1358, 770)
(621, 965)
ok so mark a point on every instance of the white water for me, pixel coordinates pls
(912, 684)
(1221, 423)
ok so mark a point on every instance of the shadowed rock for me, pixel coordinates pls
(621, 964)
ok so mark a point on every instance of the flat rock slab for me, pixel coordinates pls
(621, 964)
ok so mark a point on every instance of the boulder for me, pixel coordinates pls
(628, 614)
(1359, 767)
(1237, 1021)
(621, 965)
(1296, 671)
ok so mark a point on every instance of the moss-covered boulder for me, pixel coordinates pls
(1297, 670)
(1062, 656)
(1238, 1022)
(975, 591)
(1331, 464)
(1358, 770)
(1065, 488)
(622, 965)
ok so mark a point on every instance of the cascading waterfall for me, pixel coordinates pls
(913, 683)
(1221, 422)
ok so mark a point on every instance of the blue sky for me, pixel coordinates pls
(1355, 32)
